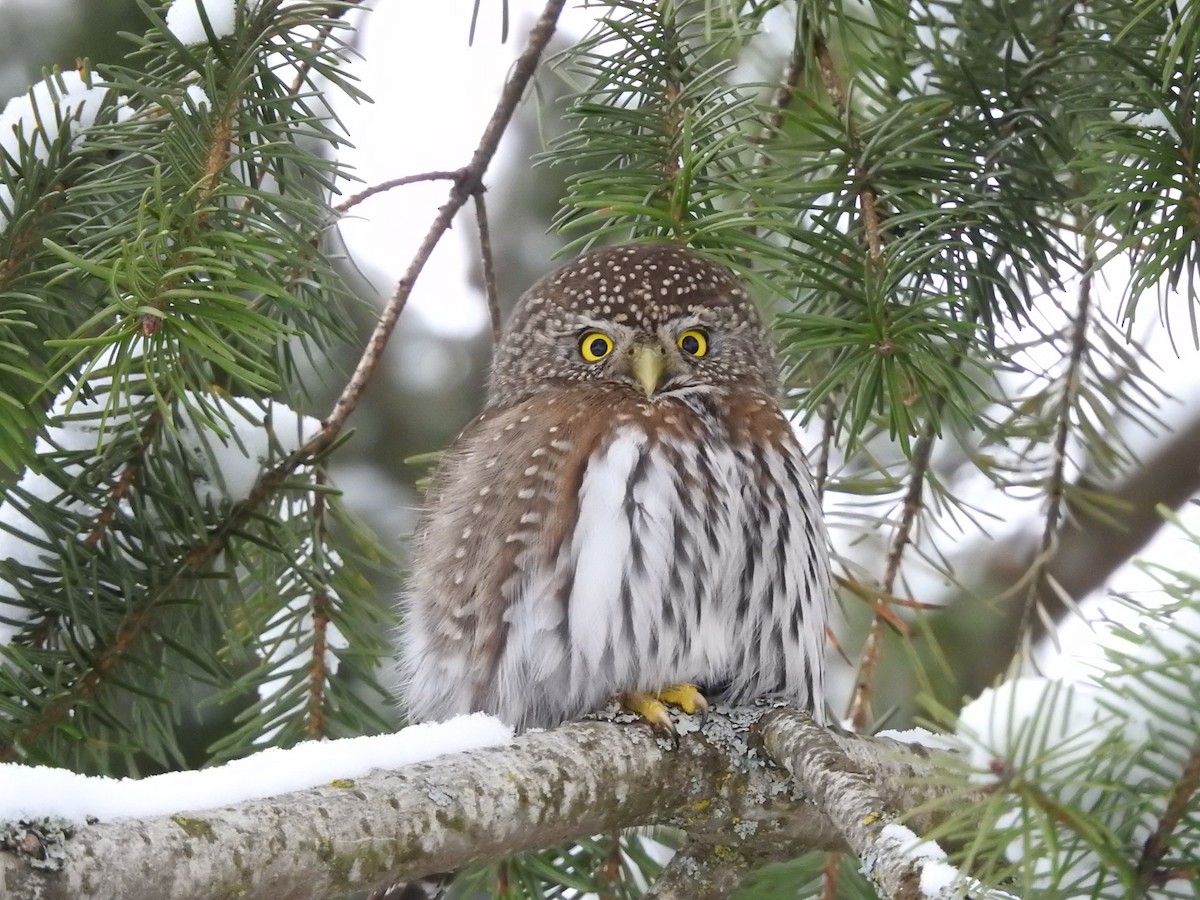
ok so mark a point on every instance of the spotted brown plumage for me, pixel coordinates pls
(630, 511)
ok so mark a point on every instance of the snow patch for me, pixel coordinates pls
(922, 738)
(198, 96)
(183, 19)
(31, 792)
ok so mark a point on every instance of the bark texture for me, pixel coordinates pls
(738, 808)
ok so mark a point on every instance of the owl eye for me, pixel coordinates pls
(693, 342)
(595, 346)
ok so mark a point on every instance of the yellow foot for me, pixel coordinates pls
(687, 697)
(651, 706)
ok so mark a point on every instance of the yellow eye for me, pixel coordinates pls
(595, 346)
(693, 342)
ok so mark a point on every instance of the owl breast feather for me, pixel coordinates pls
(617, 549)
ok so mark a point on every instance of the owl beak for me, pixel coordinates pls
(649, 363)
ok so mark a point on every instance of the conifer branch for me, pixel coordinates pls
(910, 509)
(125, 481)
(141, 616)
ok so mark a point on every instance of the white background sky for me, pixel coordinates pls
(433, 95)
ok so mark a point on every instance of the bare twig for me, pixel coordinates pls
(828, 423)
(464, 187)
(488, 261)
(374, 189)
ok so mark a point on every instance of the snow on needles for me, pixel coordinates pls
(32, 792)
(1135, 725)
(183, 19)
(37, 118)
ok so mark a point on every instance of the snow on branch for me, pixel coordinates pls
(544, 788)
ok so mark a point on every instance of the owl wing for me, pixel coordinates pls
(482, 619)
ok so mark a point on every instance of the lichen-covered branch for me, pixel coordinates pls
(545, 788)
(848, 778)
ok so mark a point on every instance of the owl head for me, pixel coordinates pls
(657, 319)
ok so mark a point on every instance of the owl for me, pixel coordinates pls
(630, 515)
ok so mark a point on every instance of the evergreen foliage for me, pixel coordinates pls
(933, 196)
(164, 279)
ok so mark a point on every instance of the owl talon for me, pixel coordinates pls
(651, 709)
(688, 698)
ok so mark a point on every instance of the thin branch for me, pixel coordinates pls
(781, 100)
(464, 187)
(354, 200)
(828, 427)
(1157, 844)
(320, 607)
(868, 202)
(842, 783)
(125, 480)
(488, 261)
(860, 703)
(323, 32)
(1056, 487)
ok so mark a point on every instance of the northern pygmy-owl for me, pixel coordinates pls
(631, 511)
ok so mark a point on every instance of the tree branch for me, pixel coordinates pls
(581, 779)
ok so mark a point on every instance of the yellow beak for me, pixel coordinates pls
(649, 363)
